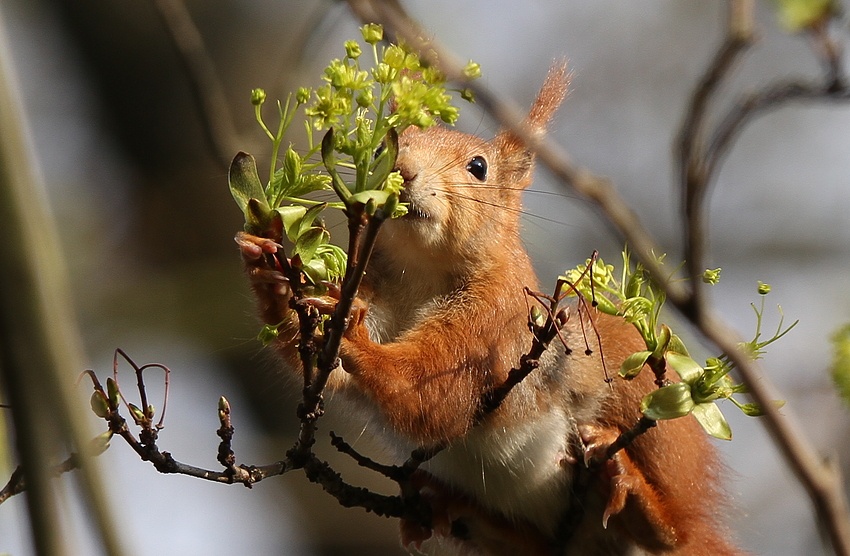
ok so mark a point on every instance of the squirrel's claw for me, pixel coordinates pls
(253, 247)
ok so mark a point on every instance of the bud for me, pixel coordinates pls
(112, 390)
(138, 415)
(372, 33)
(258, 97)
(303, 95)
(711, 276)
(472, 70)
(390, 205)
(365, 98)
(383, 73)
(99, 404)
(394, 57)
(467, 95)
(100, 443)
(352, 50)
(371, 206)
(763, 288)
(537, 316)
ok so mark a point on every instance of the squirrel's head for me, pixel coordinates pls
(463, 193)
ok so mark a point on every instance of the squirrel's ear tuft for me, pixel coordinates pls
(516, 158)
(549, 98)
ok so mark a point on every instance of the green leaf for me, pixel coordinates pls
(670, 402)
(633, 364)
(688, 369)
(676, 345)
(291, 217)
(603, 303)
(316, 270)
(244, 182)
(386, 161)
(308, 242)
(751, 409)
(257, 217)
(310, 217)
(712, 421)
(334, 258)
(377, 196)
(663, 339)
(756, 410)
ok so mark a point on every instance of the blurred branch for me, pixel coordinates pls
(216, 118)
(822, 483)
(39, 341)
(691, 141)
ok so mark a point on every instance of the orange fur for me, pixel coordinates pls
(447, 319)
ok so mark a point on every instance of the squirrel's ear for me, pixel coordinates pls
(548, 100)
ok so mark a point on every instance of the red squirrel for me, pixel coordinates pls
(447, 319)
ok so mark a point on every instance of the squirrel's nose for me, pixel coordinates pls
(407, 174)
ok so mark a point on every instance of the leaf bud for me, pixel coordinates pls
(138, 414)
(112, 390)
(99, 404)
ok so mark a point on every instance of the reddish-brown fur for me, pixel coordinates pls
(447, 319)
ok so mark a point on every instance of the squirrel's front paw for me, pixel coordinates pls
(637, 506)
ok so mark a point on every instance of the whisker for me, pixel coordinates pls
(489, 186)
(521, 212)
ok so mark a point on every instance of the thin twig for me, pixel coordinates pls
(694, 176)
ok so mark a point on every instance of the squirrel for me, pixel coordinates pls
(446, 319)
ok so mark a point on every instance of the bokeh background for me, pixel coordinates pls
(146, 223)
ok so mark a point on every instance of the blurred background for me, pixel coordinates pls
(147, 222)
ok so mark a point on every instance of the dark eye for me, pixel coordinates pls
(478, 168)
(379, 150)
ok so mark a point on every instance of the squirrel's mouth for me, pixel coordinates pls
(414, 209)
(415, 212)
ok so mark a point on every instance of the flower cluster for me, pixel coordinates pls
(362, 107)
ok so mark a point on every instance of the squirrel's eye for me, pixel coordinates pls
(379, 150)
(477, 167)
